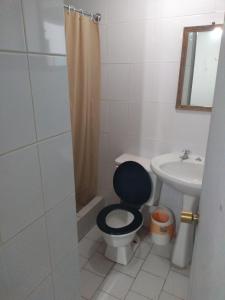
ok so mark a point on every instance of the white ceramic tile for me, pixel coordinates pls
(44, 291)
(220, 5)
(165, 81)
(104, 116)
(148, 285)
(140, 41)
(164, 251)
(99, 265)
(103, 296)
(117, 85)
(82, 261)
(157, 265)
(104, 151)
(135, 296)
(132, 268)
(26, 259)
(118, 118)
(166, 296)
(176, 284)
(185, 272)
(117, 284)
(87, 247)
(89, 284)
(118, 11)
(176, 8)
(16, 113)
(118, 43)
(21, 191)
(44, 21)
(95, 234)
(61, 226)
(144, 9)
(143, 250)
(11, 25)
(5, 282)
(101, 248)
(151, 120)
(57, 169)
(141, 81)
(51, 101)
(190, 134)
(161, 47)
(104, 81)
(66, 278)
(103, 42)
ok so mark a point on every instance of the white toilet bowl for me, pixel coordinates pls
(119, 223)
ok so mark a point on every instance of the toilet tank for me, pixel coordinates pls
(144, 162)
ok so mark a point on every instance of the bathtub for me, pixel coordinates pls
(86, 217)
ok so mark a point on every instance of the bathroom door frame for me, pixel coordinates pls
(207, 281)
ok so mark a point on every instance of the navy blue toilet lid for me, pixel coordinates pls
(132, 183)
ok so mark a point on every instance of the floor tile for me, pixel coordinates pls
(165, 296)
(132, 268)
(148, 285)
(102, 247)
(145, 236)
(143, 250)
(95, 234)
(157, 265)
(99, 264)
(176, 284)
(185, 272)
(103, 296)
(83, 261)
(87, 247)
(117, 284)
(134, 296)
(164, 251)
(89, 284)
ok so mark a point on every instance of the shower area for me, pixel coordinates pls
(83, 59)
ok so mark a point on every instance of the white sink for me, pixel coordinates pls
(184, 175)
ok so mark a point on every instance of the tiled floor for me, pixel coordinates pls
(149, 275)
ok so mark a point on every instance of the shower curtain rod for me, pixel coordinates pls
(96, 17)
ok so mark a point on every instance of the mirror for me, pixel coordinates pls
(198, 67)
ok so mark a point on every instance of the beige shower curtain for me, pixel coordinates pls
(83, 51)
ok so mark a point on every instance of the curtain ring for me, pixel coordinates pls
(69, 9)
(81, 12)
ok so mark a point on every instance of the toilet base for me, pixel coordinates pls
(122, 255)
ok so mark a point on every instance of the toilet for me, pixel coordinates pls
(119, 223)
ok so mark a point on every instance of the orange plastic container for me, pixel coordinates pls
(162, 226)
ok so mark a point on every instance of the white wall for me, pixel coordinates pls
(141, 48)
(38, 253)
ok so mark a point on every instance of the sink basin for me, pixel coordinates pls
(184, 175)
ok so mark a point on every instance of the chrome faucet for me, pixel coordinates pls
(185, 154)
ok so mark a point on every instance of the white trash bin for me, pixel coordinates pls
(162, 226)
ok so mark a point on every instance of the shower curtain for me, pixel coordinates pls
(83, 54)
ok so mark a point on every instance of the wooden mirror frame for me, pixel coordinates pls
(186, 32)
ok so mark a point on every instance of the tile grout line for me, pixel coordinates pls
(35, 143)
(9, 51)
(99, 289)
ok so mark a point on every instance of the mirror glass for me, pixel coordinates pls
(199, 62)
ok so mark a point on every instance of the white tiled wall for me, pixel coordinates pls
(38, 242)
(141, 47)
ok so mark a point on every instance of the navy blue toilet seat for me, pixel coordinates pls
(134, 225)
